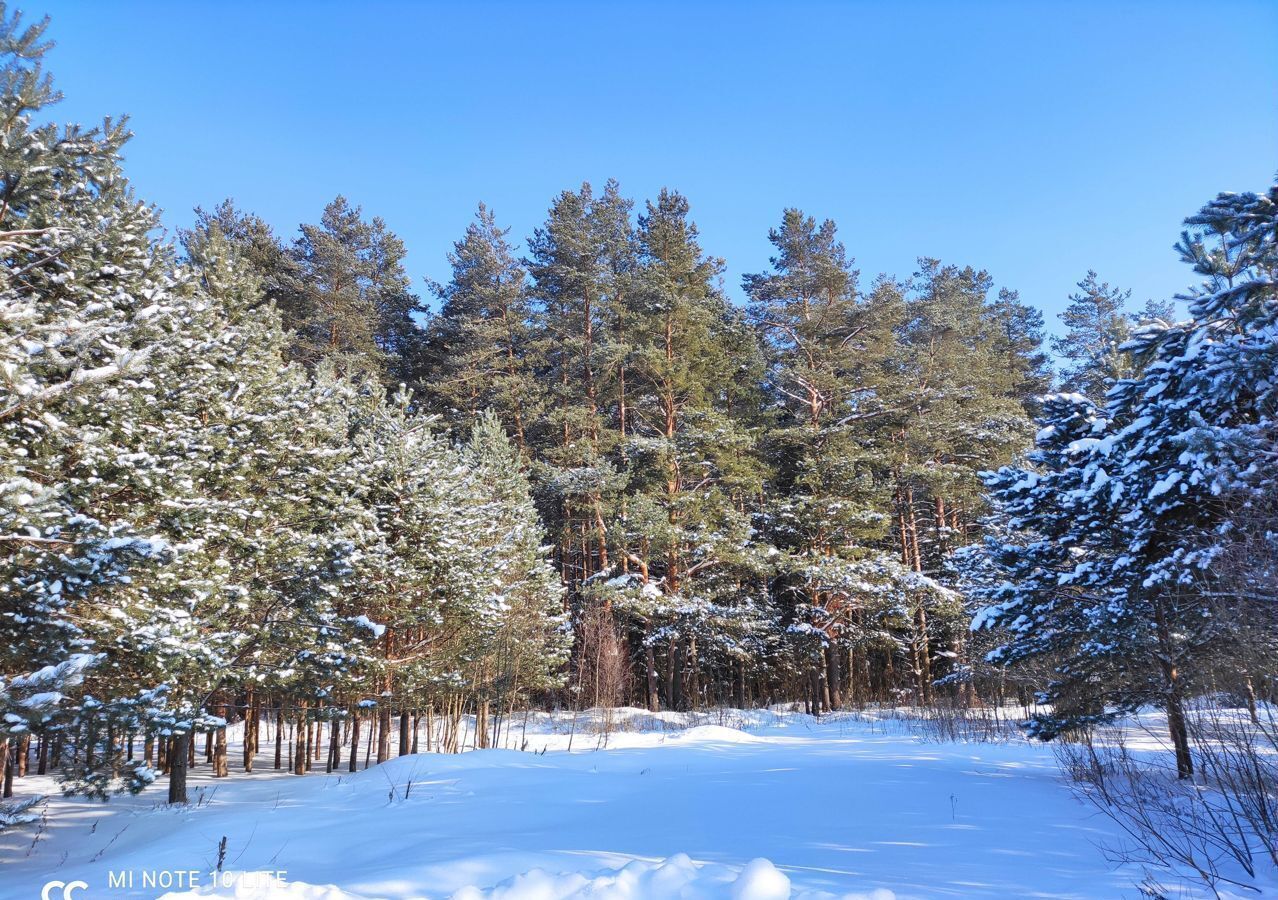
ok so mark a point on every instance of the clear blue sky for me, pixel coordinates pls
(1033, 139)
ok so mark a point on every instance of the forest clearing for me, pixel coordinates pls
(874, 806)
(599, 564)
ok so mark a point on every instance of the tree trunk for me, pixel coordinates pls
(1179, 735)
(6, 769)
(1249, 688)
(354, 741)
(181, 745)
(279, 737)
(676, 676)
(250, 731)
(834, 676)
(383, 731)
(220, 769)
(334, 746)
(922, 657)
(299, 742)
(694, 675)
(650, 665)
(1175, 701)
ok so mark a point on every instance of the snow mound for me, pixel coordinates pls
(261, 886)
(718, 734)
(677, 877)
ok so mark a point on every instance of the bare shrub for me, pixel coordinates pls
(603, 667)
(946, 722)
(1220, 829)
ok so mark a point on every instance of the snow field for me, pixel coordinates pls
(780, 806)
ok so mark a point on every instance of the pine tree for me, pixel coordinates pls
(345, 296)
(1123, 519)
(530, 638)
(274, 511)
(1097, 325)
(683, 531)
(477, 352)
(962, 367)
(86, 297)
(1018, 348)
(828, 505)
(577, 278)
(253, 242)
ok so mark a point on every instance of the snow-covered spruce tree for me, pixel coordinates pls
(1126, 512)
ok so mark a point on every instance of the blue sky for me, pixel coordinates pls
(1033, 139)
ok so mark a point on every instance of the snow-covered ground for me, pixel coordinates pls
(778, 805)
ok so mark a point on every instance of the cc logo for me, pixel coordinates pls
(68, 887)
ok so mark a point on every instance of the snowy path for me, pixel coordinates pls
(840, 807)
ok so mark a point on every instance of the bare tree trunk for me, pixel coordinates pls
(220, 768)
(354, 741)
(676, 676)
(481, 725)
(250, 730)
(650, 664)
(383, 731)
(1175, 701)
(299, 741)
(1179, 734)
(922, 659)
(834, 676)
(334, 746)
(1249, 688)
(181, 744)
(6, 769)
(279, 737)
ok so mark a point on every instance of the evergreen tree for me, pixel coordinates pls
(1018, 345)
(962, 367)
(828, 505)
(274, 512)
(253, 242)
(345, 295)
(531, 637)
(86, 297)
(1122, 520)
(1097, 325)
(577, 278)
(683, 532)
(477, 352)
